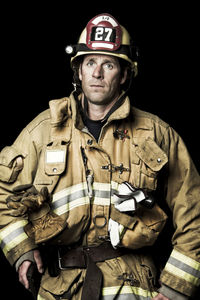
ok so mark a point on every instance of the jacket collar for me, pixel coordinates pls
(65, 108)
(120, 112)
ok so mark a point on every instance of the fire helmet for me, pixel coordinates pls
(104, 35)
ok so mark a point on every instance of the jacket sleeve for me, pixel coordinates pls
(18, 164)
(182, 270)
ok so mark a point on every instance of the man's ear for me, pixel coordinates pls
(80, 72)
(124, 76)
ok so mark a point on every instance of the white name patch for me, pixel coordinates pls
(55, 156)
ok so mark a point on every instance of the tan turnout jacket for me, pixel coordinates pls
(150, 155)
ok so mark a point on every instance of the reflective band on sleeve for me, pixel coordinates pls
(187, 260)
(184, 267)
(12, 235)
(126, 291)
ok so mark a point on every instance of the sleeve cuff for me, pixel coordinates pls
(26, 256)
(171, 293)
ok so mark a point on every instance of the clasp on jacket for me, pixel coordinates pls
(129, 278)
(112, 168)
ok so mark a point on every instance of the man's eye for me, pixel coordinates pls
(109, 66)
(90, 63)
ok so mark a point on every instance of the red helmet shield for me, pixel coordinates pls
(103, 33)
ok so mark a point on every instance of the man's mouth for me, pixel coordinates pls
(97, 85)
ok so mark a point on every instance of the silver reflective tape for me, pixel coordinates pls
(184, 267)
(77, 195)
(102, 194)
(69, 198)
(7, 239)
(12, 235)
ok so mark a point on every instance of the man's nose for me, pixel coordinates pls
(98, 72)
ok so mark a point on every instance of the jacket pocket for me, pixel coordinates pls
(148, 161)
(142, 228)
(11, 163)
(55, 158)
(148, 225)
(52, 164)
(67, 282)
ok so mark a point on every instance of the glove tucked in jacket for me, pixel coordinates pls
(126, 200)
(27, 201)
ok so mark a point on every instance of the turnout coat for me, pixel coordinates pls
(56, 150)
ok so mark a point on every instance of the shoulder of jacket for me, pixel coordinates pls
(147, 119)
(56, 113)
(43, 118)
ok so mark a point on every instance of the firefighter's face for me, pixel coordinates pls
(101, 78)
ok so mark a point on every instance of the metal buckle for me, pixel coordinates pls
(98, 217)
(59, 262)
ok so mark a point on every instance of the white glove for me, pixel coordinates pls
(125, 201)
(128, 197)
(115, 229)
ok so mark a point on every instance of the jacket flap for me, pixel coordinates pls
(8, 154)
(151, 154)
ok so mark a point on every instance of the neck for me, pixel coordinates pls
(98, 112)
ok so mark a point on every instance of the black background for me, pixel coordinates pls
(35, 69)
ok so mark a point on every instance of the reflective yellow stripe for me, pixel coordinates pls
(102, 193)
(184, 267)
(20, 238)
(182, 274)
(10, 228)
(102, 186)
(70, 198)
(187, 260)
(70, 190)
(77, 195)
(71, 205)
(12, 235)
(125, 290)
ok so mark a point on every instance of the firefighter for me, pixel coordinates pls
(89, 187)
